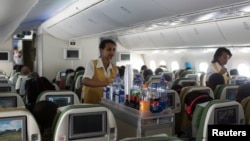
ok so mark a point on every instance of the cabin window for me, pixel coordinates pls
(163, 63)
(243, 70)
(203, 67)
(175, 66)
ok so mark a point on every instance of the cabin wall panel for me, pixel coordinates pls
(7, 66)
(51, 55)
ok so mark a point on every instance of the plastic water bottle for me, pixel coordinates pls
(163, 94)
(118, 91)
(137, 83)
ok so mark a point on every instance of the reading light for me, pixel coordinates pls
(72, 10)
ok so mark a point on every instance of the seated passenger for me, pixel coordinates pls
(188, 66)
(243, 92)
(177, 88)
(168, 78)
(25, 71)
(44, 113)
(146, 74)
(214, 80)
(158, 71)
(191, 100)
(143, 68)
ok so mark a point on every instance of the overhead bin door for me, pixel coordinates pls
(130, 12)
(166, 38)
(190, 6)
(236, 31)
(206, 34)
(85, 23)
(137, 41)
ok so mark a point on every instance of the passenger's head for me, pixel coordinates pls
(79, 68)
(222, 55)
(214, 80)
(20, 53)
(69, 70)
(44, 113)
(177, 88)
(143, 67)
(192, 99)
(107, 49)
(146, 74)
(243, 92)
(167, 77)
(33, 75)
(234, 72)
(188, 66)
(158, 71)
(25, 70)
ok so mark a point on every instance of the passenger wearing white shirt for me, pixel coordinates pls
(25, 71)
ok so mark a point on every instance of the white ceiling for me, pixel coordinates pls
(117, 14)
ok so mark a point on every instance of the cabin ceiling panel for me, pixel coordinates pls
(60, 32)
(11, 15)
(131, 12)
(206, 34)
(236, 31)
(190, 6)
(166, 38)
(11, 10)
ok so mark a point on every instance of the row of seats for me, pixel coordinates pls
(185, 91)
(68, 124)
(213, 112)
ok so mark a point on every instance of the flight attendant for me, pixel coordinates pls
(221, 57)
(99, 73)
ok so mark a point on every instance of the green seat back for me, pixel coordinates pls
(204, 116)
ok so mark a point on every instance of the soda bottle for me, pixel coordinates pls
(144, 101)
(154, 100)
(137, 84)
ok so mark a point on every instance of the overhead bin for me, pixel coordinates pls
(130, 12)
(205, 34)
(181, 7)
(137, 41)
(82, 24)
(236, 31)
(166, 38)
